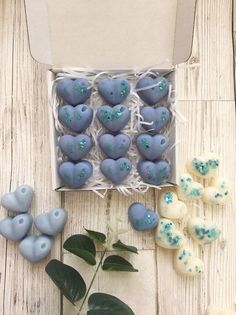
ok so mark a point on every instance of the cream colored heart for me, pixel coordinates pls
(170, 207)
(204, 166)
(203, 231)
(188, 189)
(218, 192)
(186, 263)
(214, 310)
(168, 236)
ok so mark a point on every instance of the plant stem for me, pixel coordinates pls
(92, 281)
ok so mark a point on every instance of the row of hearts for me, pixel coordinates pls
(113, 91)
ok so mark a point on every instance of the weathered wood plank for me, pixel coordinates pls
(28, 289)
(212, 49)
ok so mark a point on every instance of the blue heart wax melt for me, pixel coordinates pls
(114, 91)
(35, 248)
(74, 91)
(141, 218)
(75, 147)
(18, 200)
(75, 175)
(114, 146)
(152, 90)
(116, 170)
(151, 147)
(154, 173)
(113, 118)
(52, 222)
(16, 228)
(157, 118)
(76, 118)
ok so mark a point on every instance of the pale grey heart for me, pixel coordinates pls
(52, 222)
(16, 228)
(19, 200)
(35, 248)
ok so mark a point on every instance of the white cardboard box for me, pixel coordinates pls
(108, 35)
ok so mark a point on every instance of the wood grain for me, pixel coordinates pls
(207, 100)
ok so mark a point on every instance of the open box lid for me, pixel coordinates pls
(106, 34)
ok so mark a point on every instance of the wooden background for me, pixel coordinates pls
(206, 97)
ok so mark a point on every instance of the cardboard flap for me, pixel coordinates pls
(110, 34)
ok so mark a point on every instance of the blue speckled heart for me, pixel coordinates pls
(114, 146)
(74, 91)
(113, 118)
(154, 173)
(151, 147)
(75, 147)
(114, 91)
(156, 117)
(150, 93)
(141, 218)
(76, 118)
(116, 170)
(75, 175)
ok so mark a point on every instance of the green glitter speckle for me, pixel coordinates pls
(82, 145)
(204, 167)
(168, 197)
(145, 143)
(206, 235)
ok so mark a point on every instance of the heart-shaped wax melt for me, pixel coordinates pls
(157, 118)
(154, 173)
(114, 91)
(170, 207)
(116, 170)
(218, 192)
(74, 91)
(188, 189)
(204, 166)
(203, 231)
(151, 147)
(215, 310)
(35, 248)
(19, 200)
(75, 175)
(168, 236)
(75, 147)
(52, 222)
(113, 118)
(76, 118)
(114, 146)
(141, 218)
(186, 263)
(152, 90)
(16, 228)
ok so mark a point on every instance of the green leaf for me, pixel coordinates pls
(106, 304)
(81, 246)
(100, 237)
(125, 247)
(117, 263)
(67, 279)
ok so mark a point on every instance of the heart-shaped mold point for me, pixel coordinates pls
(168, 236)
(114, 146)
(141, 218)
(114, 91)
(154, 173)
(203, 231)
(116, 170)
(218, 192)
(186, 262)
(151, 147)
(188, 189)
(154, 119)
(16, 228)
(170, 207)
(19, 200)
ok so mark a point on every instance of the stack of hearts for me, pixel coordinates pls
(172, 207)
(32, 247)
(76, 142)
